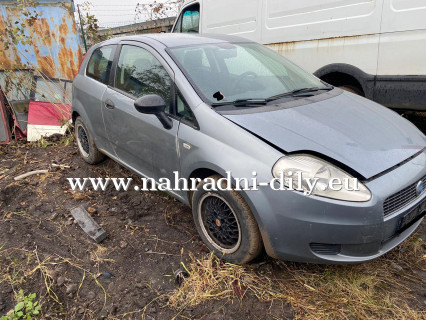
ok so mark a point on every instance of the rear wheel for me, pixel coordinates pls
(226, 224)
(86, 144)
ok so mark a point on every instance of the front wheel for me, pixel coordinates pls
(226, 224)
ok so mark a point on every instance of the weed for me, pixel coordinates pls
(66, 139)
(367, 291)
(26, 307)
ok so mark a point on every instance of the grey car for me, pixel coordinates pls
(203, 106)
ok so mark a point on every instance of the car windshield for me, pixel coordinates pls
(228, 72)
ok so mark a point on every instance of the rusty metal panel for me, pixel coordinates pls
(55, 49)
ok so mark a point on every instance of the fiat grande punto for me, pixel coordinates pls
(203, 106)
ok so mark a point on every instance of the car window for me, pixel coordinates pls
(183, 110)
(100, 63)
(139, 73)
(245, 61)
(240, 71)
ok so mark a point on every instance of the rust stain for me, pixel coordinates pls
(66, 61)
(284, 48)
(9, 59)
(45, 64)
(74, 28)
(40, 33)
(42, 29)
(324, 39)
(287, 48)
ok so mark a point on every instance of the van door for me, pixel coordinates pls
(239, 18)
(401, 73)
(315, 34)
(140, 140)
(403, 40)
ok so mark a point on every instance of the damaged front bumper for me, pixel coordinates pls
(314, 229)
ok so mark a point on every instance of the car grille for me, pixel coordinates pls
(402, 198)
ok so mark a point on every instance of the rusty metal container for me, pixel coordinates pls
(55, 43)
(53, 52)
(43, 63)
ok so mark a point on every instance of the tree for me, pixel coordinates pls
(90, 25)
(158, 10)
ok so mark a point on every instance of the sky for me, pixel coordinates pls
(113, 13)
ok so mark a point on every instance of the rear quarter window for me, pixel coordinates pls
(99, 66)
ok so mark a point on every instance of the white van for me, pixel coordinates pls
(376, 48)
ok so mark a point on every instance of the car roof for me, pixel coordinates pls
(171, 40)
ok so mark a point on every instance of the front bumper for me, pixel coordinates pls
(315, 229)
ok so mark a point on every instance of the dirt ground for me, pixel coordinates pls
(150, 236)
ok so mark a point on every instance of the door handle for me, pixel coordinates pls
(109, 104)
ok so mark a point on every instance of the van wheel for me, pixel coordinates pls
(86, 144)
(226, 224)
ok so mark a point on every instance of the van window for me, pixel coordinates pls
(139, 73)
(189, 20)
(100, 63)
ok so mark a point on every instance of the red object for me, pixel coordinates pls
(19, 133)
(48, 114)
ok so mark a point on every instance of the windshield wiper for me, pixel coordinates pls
(248, 102)
(241, 102)
(297, 92)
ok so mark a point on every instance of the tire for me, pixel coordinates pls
(215, 210)
(352, 89)
(86, 144)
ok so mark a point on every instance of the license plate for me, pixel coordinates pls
(412, 217)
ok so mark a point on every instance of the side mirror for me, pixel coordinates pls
(154, 104)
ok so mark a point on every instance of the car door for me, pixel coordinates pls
(89, 90)
(139, 140)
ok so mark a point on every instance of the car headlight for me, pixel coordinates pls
(315, 176)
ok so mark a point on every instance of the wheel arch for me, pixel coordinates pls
(78, 111)
(201, 173)
(74, 116)
(340, 74)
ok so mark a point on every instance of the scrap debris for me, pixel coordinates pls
(88, 224)
(44, 171)
(31, 173)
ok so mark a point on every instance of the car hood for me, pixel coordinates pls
(352, 130)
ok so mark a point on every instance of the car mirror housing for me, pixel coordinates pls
(154, 104)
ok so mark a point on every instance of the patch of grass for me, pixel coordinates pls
(42, 143)
(366, 291)
(45, 142)
(14, 266)
(26, 307)
(18, 265)
(66, 139)
(98, 254)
